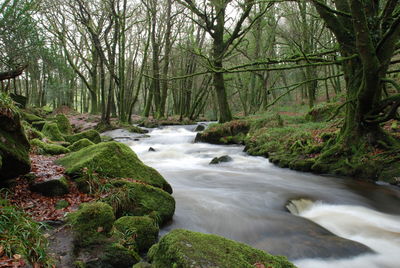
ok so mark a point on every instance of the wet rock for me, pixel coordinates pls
(222, 159)
(183, 248)
(199, 128)
(151, 149)
(54, 187)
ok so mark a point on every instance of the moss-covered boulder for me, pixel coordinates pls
(138, 199)
(92, 223)
(324, 111)
(32, 133)
(183, 248)
(30, 118)
(38, 125)
(46, 148)
(91, 135)
(63, 124)
(143, 228)
(52, 131)
(232, 132)
(114, 160)
(78, 145)
(54, 187)
(221, 159)
(14, 146)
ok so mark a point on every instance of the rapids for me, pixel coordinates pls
(334, 222)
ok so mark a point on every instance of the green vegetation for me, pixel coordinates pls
(182, 248)
(31, 118)
(91, 135)
(51, 131)
(63, 124)
(92, 223)
(113, 160)
(138, 199)
(20, 235)
(47, 148)
(144, 229)
(80, 144)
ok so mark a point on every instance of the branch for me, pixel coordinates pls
(379, 115)
(13, 73)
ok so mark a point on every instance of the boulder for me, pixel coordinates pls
(19, 100)
(138, 199)
(30, 118)
(46, 148)
(222, 159)
(92, 223)
(52, 131)
(78, 145)
(91, 135)
(151, 149)
(200, 128)
(14, 146)
(63, 124)
(183, 248)
(113, 160)
(38, 125)
(53, 187)
(144, 229)
(61, 204)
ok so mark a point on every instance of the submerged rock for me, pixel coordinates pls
(113, 160)
(54, 187)
(222, 159)
(143, 228)
(14, 146)
(151, 149)
(183, 248)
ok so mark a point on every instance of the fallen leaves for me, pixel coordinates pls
(5, 261)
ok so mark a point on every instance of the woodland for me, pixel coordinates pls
(312, 85)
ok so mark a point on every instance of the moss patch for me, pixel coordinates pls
(182, 248)
(46, 148)
(52, 131)
(63, 124)
(30, 118)
(78, 145)
(91, 135)
(92, 223)
(137, 199)
(114, 160)
(144, 229)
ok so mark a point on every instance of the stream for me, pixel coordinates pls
(332, 222)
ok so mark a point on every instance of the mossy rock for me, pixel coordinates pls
(14, 145)
(222, 159)
(61, 204)
(63, 124)
(52, 131)
(137, 199)
(92, 223)
(38, 125)
(391, 174)
(143, 228)
(232, 132)
(323, 112)
(182, 248)
(55, 187)
(30, 118)
(112, 256)
(46, 148)
(142, 265)
(32, 133)
(91, 135)
(78, 145)
(113, 160)
(302, 164)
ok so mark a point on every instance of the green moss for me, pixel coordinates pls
(137, 199)
(92, 223)
(32, 133)
(227, 133)
(78, 145)
(46, 148)
(51, 131)
(182, 248)
(38, 125)
(91, 135)
(54, 187)
(323, 111)
(142, 265)
(61, 204)
(144, 229)
(30, 118)
(114, 160)
(111, 255)
(63, 124)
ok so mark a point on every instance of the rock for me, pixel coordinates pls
(46, 148)
(54, 187)
(30, 118)
(232, 132)
(113, 160)
(112, 255)
(183, 248)
(142, 265)
(222, 159)
(136, 129)
(92, 223)
(19, 99)
(151, 149)
(139, 199)
(14, 146)
(38, 125)
(51, 131)
(199, 128)
(143, 228)
(78, 145)
(91, 135)
(61, 204)
(63, 124)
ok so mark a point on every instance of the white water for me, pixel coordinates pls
(245, 200)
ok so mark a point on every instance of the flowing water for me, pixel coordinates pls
(332, 222)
